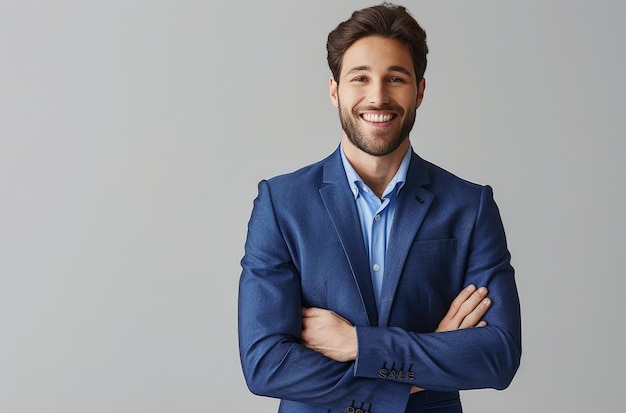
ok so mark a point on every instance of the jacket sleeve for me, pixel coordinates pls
(472, 358)
(274, 362)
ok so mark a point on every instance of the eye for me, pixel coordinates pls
(359, 79)
(396, 79)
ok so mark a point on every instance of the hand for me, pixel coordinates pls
(329, 334)
(466, 310)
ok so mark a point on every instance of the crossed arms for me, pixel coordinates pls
(336, 338)
(311, 357)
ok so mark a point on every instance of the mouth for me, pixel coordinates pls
(378, 119)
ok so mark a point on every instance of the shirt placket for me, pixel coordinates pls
(378, 246)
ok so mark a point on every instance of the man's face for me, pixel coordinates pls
(377, 94)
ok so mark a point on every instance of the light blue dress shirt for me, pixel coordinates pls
(376, 216)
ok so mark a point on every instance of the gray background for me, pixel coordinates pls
(133, 134)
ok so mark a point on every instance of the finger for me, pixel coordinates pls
(341, 318)
(415, 389)
(474, 318)
(471, 303)
(453, 318)
(306, 337)
(459, 300)
(312, 311)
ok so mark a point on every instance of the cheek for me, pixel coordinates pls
(349, 97)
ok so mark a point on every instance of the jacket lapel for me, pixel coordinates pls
(341, 207)
(413, 204)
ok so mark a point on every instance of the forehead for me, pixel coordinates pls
(377, 53)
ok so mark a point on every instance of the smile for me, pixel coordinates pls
(378, 117)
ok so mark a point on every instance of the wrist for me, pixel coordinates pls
(354, 346)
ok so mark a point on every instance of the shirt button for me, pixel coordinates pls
(376, 267)
(377, 217)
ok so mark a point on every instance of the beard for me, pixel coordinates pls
(373, 142)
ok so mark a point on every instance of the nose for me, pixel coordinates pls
(378, 93)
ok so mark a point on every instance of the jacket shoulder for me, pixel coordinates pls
(303, 179)
(445, 183)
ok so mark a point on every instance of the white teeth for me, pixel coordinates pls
(377, 117)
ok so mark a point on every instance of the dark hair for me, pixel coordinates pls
(387, 20)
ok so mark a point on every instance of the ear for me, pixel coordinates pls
(420, 92)
(332, 84)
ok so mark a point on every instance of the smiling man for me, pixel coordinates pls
(379, 101)
(373, 280)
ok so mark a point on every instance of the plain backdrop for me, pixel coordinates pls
(133, 134)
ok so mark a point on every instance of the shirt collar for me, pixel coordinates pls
(356, 183)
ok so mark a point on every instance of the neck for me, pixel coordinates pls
(375, 171)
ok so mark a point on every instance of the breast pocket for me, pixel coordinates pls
(433, 246)
(433, 264)
(434, 267)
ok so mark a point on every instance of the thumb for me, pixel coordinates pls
(311, 311)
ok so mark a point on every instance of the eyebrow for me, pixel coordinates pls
(389, 69)
(399, 69)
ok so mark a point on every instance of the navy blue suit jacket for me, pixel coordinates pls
(305, 248)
